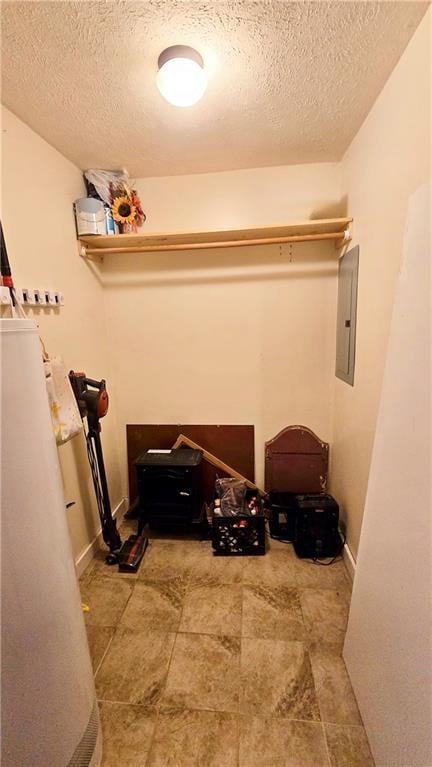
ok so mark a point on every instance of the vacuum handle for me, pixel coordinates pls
(92, 402)
(95, 384)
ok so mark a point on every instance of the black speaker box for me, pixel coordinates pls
(317, 519)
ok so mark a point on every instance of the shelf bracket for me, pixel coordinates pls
(344, 240)
(88, 256)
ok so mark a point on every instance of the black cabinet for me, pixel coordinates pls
(169, 485)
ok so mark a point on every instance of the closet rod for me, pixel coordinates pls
(216, 244)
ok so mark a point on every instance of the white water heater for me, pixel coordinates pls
(49, 709)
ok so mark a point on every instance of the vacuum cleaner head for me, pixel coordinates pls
(131, 553)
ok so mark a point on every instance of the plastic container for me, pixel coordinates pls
(90, 216)
(110, 223)
(243, 535)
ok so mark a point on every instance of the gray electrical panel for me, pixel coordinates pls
(347, 315)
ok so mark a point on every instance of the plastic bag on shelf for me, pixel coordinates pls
(102, 179)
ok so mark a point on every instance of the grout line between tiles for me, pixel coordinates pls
(158, 711)
(211, 634)
(114, 633)
(126, 703)
(105, 653)
(261, 715)
(169, 662)
(226, 711)
(326, 744)
(344, 724)
(240, 698)
(127, 601)
(315, 684)
(156, 721)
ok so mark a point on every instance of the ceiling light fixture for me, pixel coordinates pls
(181, 78)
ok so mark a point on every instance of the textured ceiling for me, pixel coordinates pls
(288, 82)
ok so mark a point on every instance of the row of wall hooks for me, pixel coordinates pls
(48, 299)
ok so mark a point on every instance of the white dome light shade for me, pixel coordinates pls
(181, 78)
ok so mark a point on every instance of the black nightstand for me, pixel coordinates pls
(169, 487)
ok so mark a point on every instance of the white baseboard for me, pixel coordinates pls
(349, 560)
(87, 554)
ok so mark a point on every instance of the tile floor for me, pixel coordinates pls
(211, 662)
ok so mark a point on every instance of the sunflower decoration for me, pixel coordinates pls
(123, 210)
(140, 216)
(126, 208)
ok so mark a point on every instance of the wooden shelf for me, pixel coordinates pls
(96, 246)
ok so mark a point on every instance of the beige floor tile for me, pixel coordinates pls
(205, 568)
(128, 527)
(334, 648)
(336, 698)
(273, 742)
(213, 609)
(277, 679)
(325, 613)
(348, 746)
(272, 612)
(199, 679)
(135, 667)
(175, 535)
(274, 545)
(276, 568)
(204, 673)
(167, 560)
(86, 576)
(106, 598)
(98, 638)
(127, 734)
(182, 542)
(155, 606)
(195, 739)
(316, 576)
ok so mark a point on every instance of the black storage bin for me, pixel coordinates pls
(282, 514)
(243, 535)
(317, 534)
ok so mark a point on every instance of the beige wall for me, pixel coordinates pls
(387, 161)
(242, 198)
(38, 188)
(228, 336)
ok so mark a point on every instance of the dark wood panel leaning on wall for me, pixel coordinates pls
(232, 444)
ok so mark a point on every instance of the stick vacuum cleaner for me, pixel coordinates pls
(92, 399)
